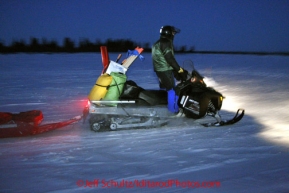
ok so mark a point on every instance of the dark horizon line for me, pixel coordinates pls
(148, 51)
(113, 45)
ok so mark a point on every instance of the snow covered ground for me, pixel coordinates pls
(250, 156)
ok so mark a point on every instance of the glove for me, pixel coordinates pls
(183, 74)
(181, 70)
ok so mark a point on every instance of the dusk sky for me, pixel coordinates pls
(210, 25)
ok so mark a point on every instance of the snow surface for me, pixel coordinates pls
(250, 156)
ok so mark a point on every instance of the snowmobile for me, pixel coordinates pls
(140, 108)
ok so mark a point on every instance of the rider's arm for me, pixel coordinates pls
(166, 47)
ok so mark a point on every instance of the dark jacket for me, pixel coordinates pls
(163, 55)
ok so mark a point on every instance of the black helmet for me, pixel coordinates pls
(169, 30)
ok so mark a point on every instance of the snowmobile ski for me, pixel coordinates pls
(238, 116)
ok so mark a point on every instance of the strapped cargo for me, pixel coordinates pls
(100, 88)
(115, 89)
(109, 86)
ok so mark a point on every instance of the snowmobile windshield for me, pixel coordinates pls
(188, 65)
(192, 72)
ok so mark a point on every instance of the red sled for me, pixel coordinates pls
(27, 123)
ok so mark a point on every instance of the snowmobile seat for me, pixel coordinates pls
(153, 97)
(131, 90)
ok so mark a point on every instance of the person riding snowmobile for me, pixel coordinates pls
(166, 66)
